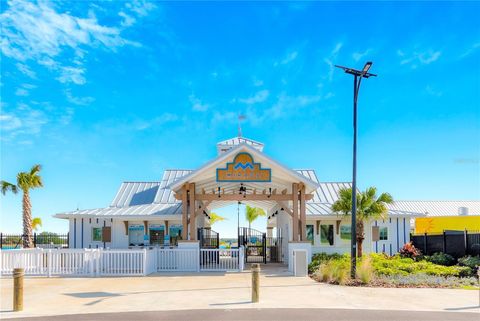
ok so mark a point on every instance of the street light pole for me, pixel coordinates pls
(358, 75)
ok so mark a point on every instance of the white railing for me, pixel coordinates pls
(122, 262)
(181, 260)
(221, 259)
(32, 260)
(68, 262)
(128, 262)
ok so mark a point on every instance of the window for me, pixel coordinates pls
(326, 234)
(175, 233)
(346, 233)
(157, 234)
(310, 233)
(383, 234)
(97, 234)
(135, 234)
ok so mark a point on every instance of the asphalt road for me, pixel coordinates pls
(268, 314)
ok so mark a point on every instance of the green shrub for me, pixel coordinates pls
(473, 262)
(441, 259)
(319, 258)
(396, 265)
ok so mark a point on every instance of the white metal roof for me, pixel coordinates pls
(156, 198)
(435, 208)
(137, 210)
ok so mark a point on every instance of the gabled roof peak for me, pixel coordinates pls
(226, 145)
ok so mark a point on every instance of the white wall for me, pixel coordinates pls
(398, 235)
(284, 222)
(390, 246)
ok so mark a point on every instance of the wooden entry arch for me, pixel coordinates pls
(244, 174)
(194, 204)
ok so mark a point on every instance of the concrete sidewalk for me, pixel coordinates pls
(160, 292)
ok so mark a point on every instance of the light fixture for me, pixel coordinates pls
(367, 67)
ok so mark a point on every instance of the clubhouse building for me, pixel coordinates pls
(176, 209)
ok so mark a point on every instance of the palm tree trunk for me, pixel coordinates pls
(360, 238)
(27, 220)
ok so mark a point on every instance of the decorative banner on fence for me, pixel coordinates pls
(244, 169)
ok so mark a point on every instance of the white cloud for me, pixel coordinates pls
(286, 105)
(82, 101)
(259, 97)
(197, 104)
(128, 20)
(41, 32)
(133, 10)
(24, 89)
(222, 117)
(289, 58)
(329, 95)
(72, 75)
(21, 92)
(416, 58)
(470, 50)
(157, 121)
(26, 70)
(9, 122)
(332, 57)
(359, 55)
(140, 7)
(23, 120)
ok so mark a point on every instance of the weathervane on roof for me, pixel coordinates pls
(240, 118)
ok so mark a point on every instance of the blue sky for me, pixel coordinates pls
(104, 92)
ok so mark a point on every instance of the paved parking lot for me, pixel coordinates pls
(226, 291)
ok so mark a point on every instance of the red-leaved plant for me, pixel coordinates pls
(410, 251)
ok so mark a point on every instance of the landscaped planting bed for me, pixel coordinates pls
(397, 271)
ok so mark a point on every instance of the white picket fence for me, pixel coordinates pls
(131, 262)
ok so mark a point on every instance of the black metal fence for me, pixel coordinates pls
(455, 243)
(208, 238)
(43, 240)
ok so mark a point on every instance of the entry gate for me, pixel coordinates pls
(208, 238)
(255, 243)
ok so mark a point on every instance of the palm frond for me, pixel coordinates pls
(29, 180)
(8, 187)
(36, 223)
(214, 218)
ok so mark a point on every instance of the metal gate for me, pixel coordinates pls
(208, 238)
(255, 244)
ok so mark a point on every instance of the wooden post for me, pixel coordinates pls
(184, 212)
(18, 274)
(255, 282)
(295, 211)
(193, 226)
(303, 215)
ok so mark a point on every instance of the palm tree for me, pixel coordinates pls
(252, 213)
(36, 223)
(214, 218)
(25, 182)
(369, 207)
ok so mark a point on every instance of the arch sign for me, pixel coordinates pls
(244, 169)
